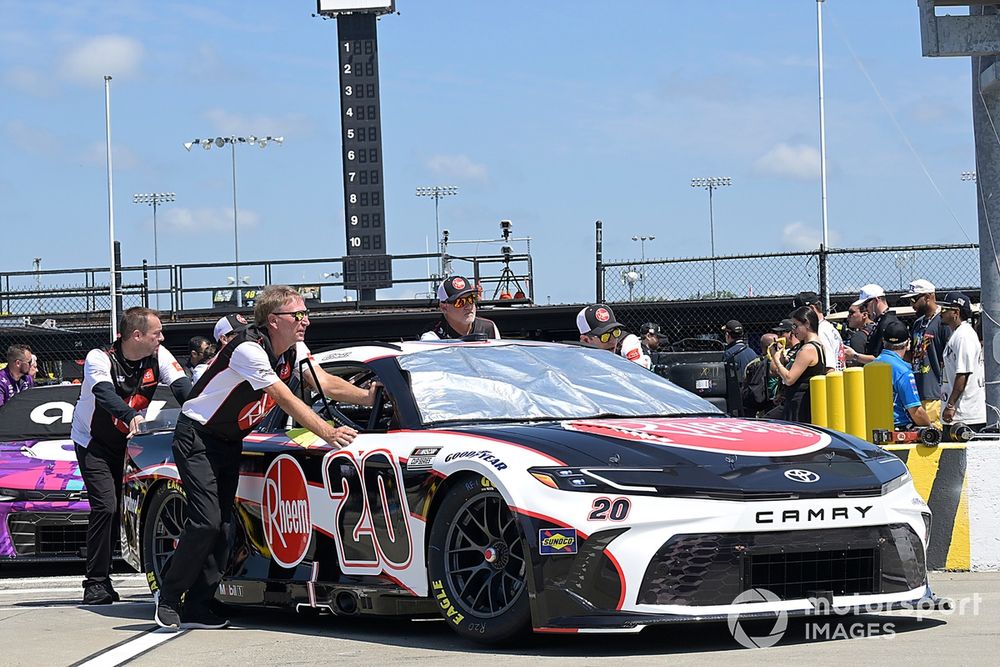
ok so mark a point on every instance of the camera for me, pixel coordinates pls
(505, 226)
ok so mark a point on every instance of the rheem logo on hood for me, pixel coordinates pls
(286, 517)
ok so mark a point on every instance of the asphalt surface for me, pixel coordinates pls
(43, 623)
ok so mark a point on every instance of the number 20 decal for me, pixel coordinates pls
(372, 527)
(605, 509)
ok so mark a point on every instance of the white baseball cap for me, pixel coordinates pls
(869, 292)
(228, 324)
(919, 286)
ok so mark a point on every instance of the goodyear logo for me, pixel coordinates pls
(555, 541)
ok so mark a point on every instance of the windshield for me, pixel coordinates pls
(529, 382)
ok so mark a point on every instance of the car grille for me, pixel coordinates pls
(42, 534)
(714, 569)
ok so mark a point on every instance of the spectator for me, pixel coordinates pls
(808, 363)
(651, 336)
(784, 340)
(872, 300)
(599, 328)
(859, 327)
(963, 389)
(457, 299)
(16, 377)
(225, 330)
(928, 339)
(829, 337)
(759, 385)
(737, 352)
(33, 371)
(906, 408)
(197, 351)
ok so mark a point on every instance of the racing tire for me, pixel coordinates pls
(164, 520)
(477, 564)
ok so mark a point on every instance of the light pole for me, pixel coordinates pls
(710, 184)
(154, 199)
(438, 191)
(219, 142)
(642, 250)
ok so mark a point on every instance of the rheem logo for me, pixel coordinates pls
(286, 517)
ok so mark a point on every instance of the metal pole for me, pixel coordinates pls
(156, 256)
(711, 231)
(437, 234)
(822, 148)
(599, 252)
(236, 229)
(111, 208)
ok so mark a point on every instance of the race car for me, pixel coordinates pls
(512, 486)
(43, 502)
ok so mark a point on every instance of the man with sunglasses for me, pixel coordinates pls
(928, 338)
(457, 299)
(599, 328)
(16, 377)
(249, 376)
(872, 299)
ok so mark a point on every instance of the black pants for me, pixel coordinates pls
(210, 469)
(101, 467)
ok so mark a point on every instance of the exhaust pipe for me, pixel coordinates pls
(347, 603)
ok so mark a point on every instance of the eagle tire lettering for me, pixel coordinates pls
(447, 608)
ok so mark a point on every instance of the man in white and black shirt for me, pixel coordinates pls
(247, 378)
(599, 328)
(118, 384)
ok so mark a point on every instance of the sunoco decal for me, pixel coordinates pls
(285, 508)
(556, 541)
(721, 435)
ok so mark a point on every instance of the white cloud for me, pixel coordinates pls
(227, 123)
(122, 157)
(458, 167)
(199, 220)
(800, 162)
(29, 81)
(114, 55)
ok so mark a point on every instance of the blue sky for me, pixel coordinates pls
(550, 114)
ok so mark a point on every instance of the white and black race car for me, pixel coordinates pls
(509, 485)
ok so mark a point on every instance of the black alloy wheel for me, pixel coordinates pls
(162, 528)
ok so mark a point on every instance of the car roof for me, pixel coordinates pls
(365, 352)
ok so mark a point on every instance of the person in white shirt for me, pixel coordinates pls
(225, 330)
(599, 328)
(963, 386)
(829, 337)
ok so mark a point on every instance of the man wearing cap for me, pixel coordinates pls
(906, 407)
(651, 336)
(829, 337)
(225, 330)
(963, 386)
(457, 298)
(872, 299)
(737, 352)
(783, 338)
(599, 328)
(928, 339)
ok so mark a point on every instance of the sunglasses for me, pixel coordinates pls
(463, 301)
(608, 335)
(298, 315)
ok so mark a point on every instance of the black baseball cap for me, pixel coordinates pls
(784, 326)
(734, 327)
(958, 301)
(650, 327)
(805, 299)
(454, 287)
(895, 332)
(596, 319)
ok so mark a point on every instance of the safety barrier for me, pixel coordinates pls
(856, 401)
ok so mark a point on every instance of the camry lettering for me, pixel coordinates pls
(485, 456)
(821, 514)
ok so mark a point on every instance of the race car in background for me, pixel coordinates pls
(43, 502)
(508, 486)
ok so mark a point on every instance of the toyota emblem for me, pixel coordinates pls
(804, 476)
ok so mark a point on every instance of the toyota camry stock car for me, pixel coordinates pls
(510, 485)
(43, 502)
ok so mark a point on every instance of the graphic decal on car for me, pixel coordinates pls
(556, 541)
(286, 516)
(722, 436)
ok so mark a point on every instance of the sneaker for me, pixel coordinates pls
(96, 594)
(204, 619)
(111, 590)
(166, 615)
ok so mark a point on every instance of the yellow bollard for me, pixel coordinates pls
(854, 401)
(817, 400)
(878, 398)
(835, 401)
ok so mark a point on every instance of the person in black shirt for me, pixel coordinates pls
(872, 300)
(118, 383)
(198, 352)
(457, 298)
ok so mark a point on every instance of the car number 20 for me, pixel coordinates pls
(606, 509)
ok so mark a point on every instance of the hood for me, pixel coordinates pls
(40, 465)
(719, 457)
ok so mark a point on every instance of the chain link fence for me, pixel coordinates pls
(691, 297)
